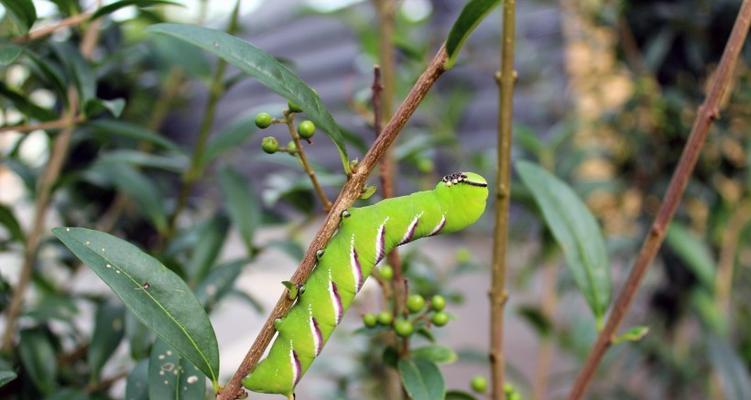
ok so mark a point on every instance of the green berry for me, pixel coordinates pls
(479, 384)
(403, 327)
(291, 146)
(415, 303)
(263, 120)
(438, 303)
(386, 272)
(440, 318)
(270, 145)
(463, 255)
(306, 129)
(385, 318)
(293, 107)
(370, 320)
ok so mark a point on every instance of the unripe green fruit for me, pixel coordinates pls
(263, 120)
(440, 318)
(269, 145)
(415, 303)
(370, 320)
(385, 318)
(479, 384)
(306, 129)
(403, 328)
(293, 107)
(291, 146)
(438, 303)
(386, 272)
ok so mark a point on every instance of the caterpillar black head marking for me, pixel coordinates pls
(461, 177)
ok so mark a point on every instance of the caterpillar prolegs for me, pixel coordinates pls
(365, 236)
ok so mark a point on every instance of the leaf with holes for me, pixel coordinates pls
(266, 69)
(471, 16)
(173, 377)
(156, 295)
(576, 231)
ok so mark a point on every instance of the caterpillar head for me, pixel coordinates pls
(463, 196)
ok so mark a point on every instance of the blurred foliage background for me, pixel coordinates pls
(606, 97)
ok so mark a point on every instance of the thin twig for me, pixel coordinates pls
(498, 296)
(56, 124)
(707, 113)
(44, 194)
(289, 120)
(545, 352)
(347, 196)
(50, 29)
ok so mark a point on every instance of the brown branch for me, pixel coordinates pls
(44, 194)
(56, 124)
(707, 113)
(349, 193)
(48, 30)
(498, 294)
(289, 120)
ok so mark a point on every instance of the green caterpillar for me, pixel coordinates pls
(365, 236)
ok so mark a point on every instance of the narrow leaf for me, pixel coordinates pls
(25, 106)
(219, 282)
(22, 13)
(139, 337)
(634, 334)
(207, 250)
(173, 377)
(110, 8)
(730, 367)
(156, 295)
(436, 354)
(576, 231)
(694, 252)
(137, 385)
(6, 376)
(108, 332)
(133, 131)
(243, 207)
(469, 18)
(266, 69)
(36, 351)
(9, 221)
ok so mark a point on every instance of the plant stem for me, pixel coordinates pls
(56, 124)
(498, 296)
(197, 164)
(726, 263)
(545, 352)
(347, 196)
(48, 30)
(44, 194)
(289, 120)
(706, 114)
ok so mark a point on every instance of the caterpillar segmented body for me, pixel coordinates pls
(365, 236)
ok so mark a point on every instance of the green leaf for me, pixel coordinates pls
(537, 319)
(173, 377)
(7, 375)
(422, 379)
(137, 187)
(469, 18)
(266, 69)
(25, 106)
(8, 219)
(137, 385)
(95, 107)
(436, 354)
(576, 231)
(173, 163)
(133, 131)
(36, 353)
(213, 235)
(138, 335)
(110, 8)
(21, 12)
(250, 300)
(731, 368)
(633, 334)
(9, 52)
(78, 70)
(156, 295)
(69, 394)
(459, 395)
(219, 282)
(694, 252)
(243, 207)
(108, 332)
